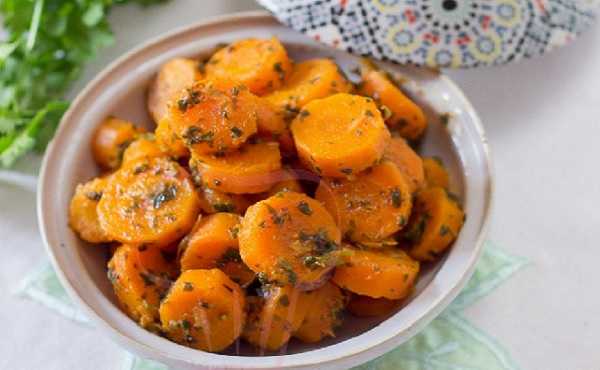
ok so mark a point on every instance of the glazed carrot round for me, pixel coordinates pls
(110, 140)
(434, 224)
(83, 215)
(378, 273)
(262, 65)
(213, 244)
(324, 316)
(406, 116)
(309, 80)
(168, 140)
(214, 201)
(408, 162)
(251, 169)
(150, 201)
(371, 207)
(289, 238)
(144, 146)
(364, 306)
(141, 276)
(174, 76)
(272, 320)
(213, 116)
(340, 135)
(435, 173)
(204, 310)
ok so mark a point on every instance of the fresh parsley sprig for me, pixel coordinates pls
(47, 44)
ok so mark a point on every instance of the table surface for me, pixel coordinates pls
(543, 122)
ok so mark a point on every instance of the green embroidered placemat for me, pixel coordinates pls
(450, 342)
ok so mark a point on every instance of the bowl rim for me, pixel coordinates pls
(321, 356)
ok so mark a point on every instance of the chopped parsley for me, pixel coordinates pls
(190, 100)
(188, 286)
(167, 194)
(445, 230)
(396, 198)
(320, 241)
(288, 271)
(94, 196)
(304, 207)
(236, 132)
(194, 135)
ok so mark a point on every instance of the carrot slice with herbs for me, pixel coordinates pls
(150, 201)
(83, 215)
(213, 116)
(213, 244)
(408, 162)
(436, 174)
(173, 76)
(262, 65)
(340, 135)
(110, 140)
(141, 276)
(272, 320)
(406, 116)
(434, 224)
(204, 310)
(289, 238)
(370, 208)
(324, 316)
(378, 273)
(309, 80)
(251, 169)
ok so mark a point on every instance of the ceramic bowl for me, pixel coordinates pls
(120, 90)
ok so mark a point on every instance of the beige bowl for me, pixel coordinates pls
(120, 90)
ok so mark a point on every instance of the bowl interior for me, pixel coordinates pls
(121, 91)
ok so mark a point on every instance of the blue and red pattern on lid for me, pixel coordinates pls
(439, 33)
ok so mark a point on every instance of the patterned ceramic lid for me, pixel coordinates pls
(439, 33)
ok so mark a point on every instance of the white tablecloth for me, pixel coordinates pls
(543, 121)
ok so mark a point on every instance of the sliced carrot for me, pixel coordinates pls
(408, 162)
(83, 215)
(382, 273)
(272, 321)
(435, 173)
(289, 238)
(251, 169)
(168, 140)
(262, 65)
(370, 208)
(145, 146)
(173, 76)
(141, 276)
(324, 316)
(309, 80)
(213, 244)
(110, 140)
(406, 116)
(150, 201)
(204, 310)
(214, 201)
(213, 116)
(434, 224)
(340, 135)
(364, 306)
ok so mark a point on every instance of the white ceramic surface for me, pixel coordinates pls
(120, 90)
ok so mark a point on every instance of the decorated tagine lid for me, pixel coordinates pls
(439, 33)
